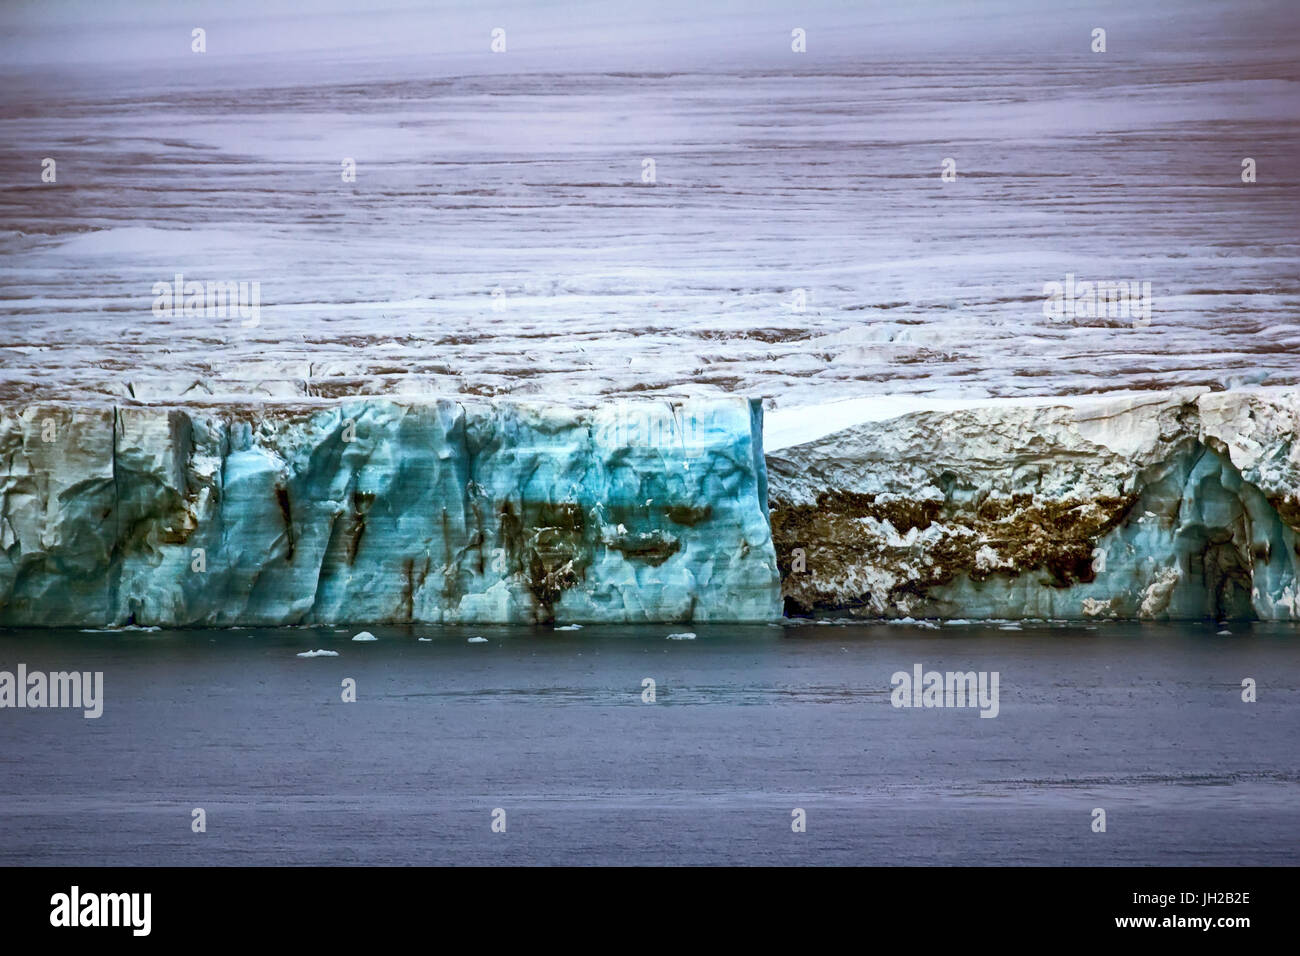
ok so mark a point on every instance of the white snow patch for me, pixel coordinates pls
(148, 242)
(785, 427)
(1092, 607)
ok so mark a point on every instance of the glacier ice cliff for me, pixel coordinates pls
(1170, 505)
(384, 510)
(1143, 505)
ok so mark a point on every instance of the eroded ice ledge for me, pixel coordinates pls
(1170, 505)
(382, 510)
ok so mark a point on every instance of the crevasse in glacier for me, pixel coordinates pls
(378, 510)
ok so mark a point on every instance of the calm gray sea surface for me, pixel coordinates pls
(749, 723)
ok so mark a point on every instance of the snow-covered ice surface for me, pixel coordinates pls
(522, 172)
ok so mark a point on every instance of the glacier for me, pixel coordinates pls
(384, 511)
(1182, 504)
(1173, 505)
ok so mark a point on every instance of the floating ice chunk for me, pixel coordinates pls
(958, 620)
(321, 653)
(365, 636)
(477, 640)
(126, 627)
(570, 627)
(424, 639)
(1223, 633)
(683, 636)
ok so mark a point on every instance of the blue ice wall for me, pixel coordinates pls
(373, 510)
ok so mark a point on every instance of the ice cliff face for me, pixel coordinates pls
(384, 511)
(1182, 504)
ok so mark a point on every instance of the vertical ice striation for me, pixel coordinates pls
(377, 510)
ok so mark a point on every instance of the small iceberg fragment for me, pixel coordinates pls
(570, 627)
(424, 639)
(147, 629)
(683, 636)
(321, 653)
(365, 636)
(1223, 633)
(477, 640)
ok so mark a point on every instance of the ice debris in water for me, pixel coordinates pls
(683, 636)
(570, 627)
(321, 653)
(365, 636)
(477, 640)
(114, 630)
(424, 639)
